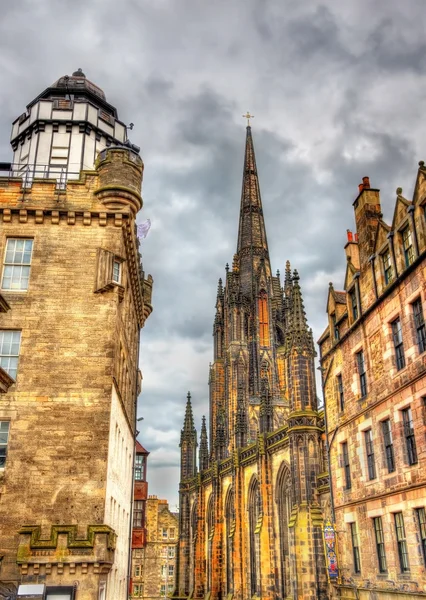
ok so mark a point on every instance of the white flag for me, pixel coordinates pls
(143, 228)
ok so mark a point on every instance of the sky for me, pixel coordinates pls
(338, 92)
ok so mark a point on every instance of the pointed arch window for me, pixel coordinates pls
(283, 498)
(193, 539)
(263, 319)
(255, 526)
(210, 533)
(230, 530)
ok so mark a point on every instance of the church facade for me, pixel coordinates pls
(252, 513)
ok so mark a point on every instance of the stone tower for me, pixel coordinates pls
(74, 298)
(252, 516)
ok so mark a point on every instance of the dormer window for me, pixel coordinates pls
(354, 304)
(387, 266)
(407, 244)
(336, 332)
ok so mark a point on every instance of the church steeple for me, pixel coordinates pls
(299, 336)
(204, 448)
(252, 243)
(188, 443)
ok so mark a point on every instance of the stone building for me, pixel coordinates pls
(154, 577)
(74, 298)
(374, 373)
(252, 514)
(139, 534)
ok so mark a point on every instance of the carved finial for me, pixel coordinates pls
(278, 273)
(295, 275)
(236, 263)
(399, 191)
(330, 284)
(421, 163)
(227, 268)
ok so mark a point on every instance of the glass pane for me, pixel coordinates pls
(4, 425)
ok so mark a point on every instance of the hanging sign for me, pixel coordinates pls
(330, 551)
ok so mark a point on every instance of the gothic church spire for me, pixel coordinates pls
(252, 243)
(204, 448)
(299, 336)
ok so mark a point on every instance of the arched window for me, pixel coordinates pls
(255, 525)
(210, 533)
(229, 542)
(263, 319)
(192, 541)
(283, 500)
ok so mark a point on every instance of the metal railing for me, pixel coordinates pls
(28, 172)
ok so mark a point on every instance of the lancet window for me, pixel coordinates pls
(263, 319)
(255, 526)
(283, 499)
(230, 529)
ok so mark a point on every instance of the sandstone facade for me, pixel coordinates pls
(68, 413)
(154, 567)
(374, 372)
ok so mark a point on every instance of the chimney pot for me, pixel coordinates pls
(360, 187)
(356, 238)
(366, 182)
(350, 235)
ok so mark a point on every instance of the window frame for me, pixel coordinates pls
(409, 436)
(138, 514)
(22, 265)
(407, 248)
(336, 332)
(369, 452)
(355, 547)
(398, 344)
(421, 521)
(346, 465)
(380, 544)
(387, 266)
(362, 373)
(341, 392)
(119, 264)
(354, 304)
(12, 372)
(419, 324)
(388, 445)
(401, 542)
(6, 433)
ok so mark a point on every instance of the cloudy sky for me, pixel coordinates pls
(338, 90)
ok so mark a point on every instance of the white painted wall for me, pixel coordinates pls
(119, 489)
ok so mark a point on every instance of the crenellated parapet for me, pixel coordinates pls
(65, 551)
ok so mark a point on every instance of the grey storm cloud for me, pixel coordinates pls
(337, 90)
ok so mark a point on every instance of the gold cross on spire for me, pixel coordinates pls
(248, 116)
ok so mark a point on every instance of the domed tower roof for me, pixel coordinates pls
(78, 82)
(79, 86)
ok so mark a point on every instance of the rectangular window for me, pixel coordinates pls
(137, 571)
(421, 519)
(355, 548)
(172, 533)
(336, 332)
(407, 245)
(171, 570)
(171, 588)
(410, 440)
(10, 342)
(380, 544)
(116, 271)
(402, 543)
(354, 304)
(368, 436)
(398, 344)
(4, 438)
(388, 444)
(362, 373)
(163, 570)
(171, 551)
(346, 465)
(139, 467)
(163, 590)
(164, 533)
(136, 590)
(387, 266)
(17, 263)
(340, 392)
(419, 324)
(138, 513)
